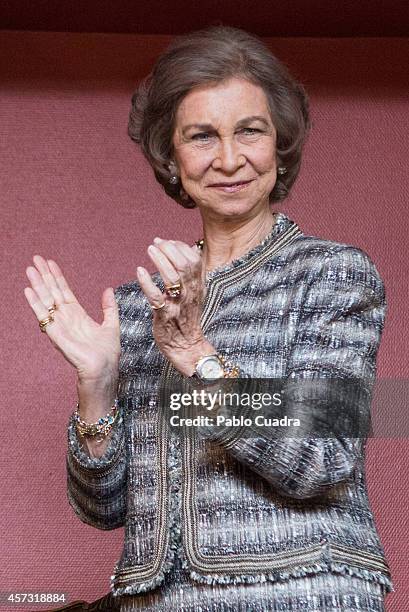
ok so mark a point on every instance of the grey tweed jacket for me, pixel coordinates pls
(244, 509)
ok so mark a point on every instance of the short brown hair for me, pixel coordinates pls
(209, 56)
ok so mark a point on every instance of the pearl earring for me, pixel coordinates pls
(281, 169)
(173, 179)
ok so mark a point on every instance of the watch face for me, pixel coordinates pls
(210, 368)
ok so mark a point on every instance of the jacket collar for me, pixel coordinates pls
(283, 230)
(282, 233)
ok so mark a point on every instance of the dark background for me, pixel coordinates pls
(318, 18)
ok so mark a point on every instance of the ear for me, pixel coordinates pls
(172, 167)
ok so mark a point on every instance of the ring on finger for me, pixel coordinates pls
(174, 290)
(158, 307)
(52, 308)
(44, 322)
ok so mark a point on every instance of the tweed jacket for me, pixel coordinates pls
(243, 509)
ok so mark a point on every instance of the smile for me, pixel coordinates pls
(233, 187)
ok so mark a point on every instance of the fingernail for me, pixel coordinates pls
(156, 239)
(140, 270)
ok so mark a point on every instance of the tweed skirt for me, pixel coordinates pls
(322, 592)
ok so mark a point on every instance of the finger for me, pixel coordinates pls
(179, 247)
(38, 285)
(62, 284)
(110, 308)
(170, 263)
(152, 293)
(48, 279)
(37, 305)
(197, 276)
(176, 256)
(192, 254)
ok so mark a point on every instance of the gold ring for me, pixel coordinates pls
(52, 308)
(158, 307)
(44, 322)
(173, 290)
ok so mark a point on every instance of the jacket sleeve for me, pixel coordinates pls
(338, 336)
(96, 487)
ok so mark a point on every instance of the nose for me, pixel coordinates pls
(228, 156)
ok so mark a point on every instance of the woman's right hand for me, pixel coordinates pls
(92, 348)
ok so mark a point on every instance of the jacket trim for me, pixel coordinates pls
(136, 578)
(294, 572)
(215, 293)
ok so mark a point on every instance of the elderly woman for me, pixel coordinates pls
(217, 519)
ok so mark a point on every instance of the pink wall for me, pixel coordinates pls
(74, 188)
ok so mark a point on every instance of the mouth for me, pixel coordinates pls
(231, 187)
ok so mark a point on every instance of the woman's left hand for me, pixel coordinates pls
(176, 327)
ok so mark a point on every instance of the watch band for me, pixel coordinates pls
(230, 370)
(227, 367)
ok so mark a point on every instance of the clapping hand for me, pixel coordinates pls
(92, 348)
(176, 320)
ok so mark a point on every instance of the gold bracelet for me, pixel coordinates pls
(230, 370)
(102, 427)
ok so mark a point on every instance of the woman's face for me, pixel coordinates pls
(224, 135)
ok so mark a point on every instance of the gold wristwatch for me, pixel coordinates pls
(212, 367)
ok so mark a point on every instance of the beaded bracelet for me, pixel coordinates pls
(102, 427)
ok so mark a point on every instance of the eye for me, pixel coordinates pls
(202, 136)
(251, 131)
